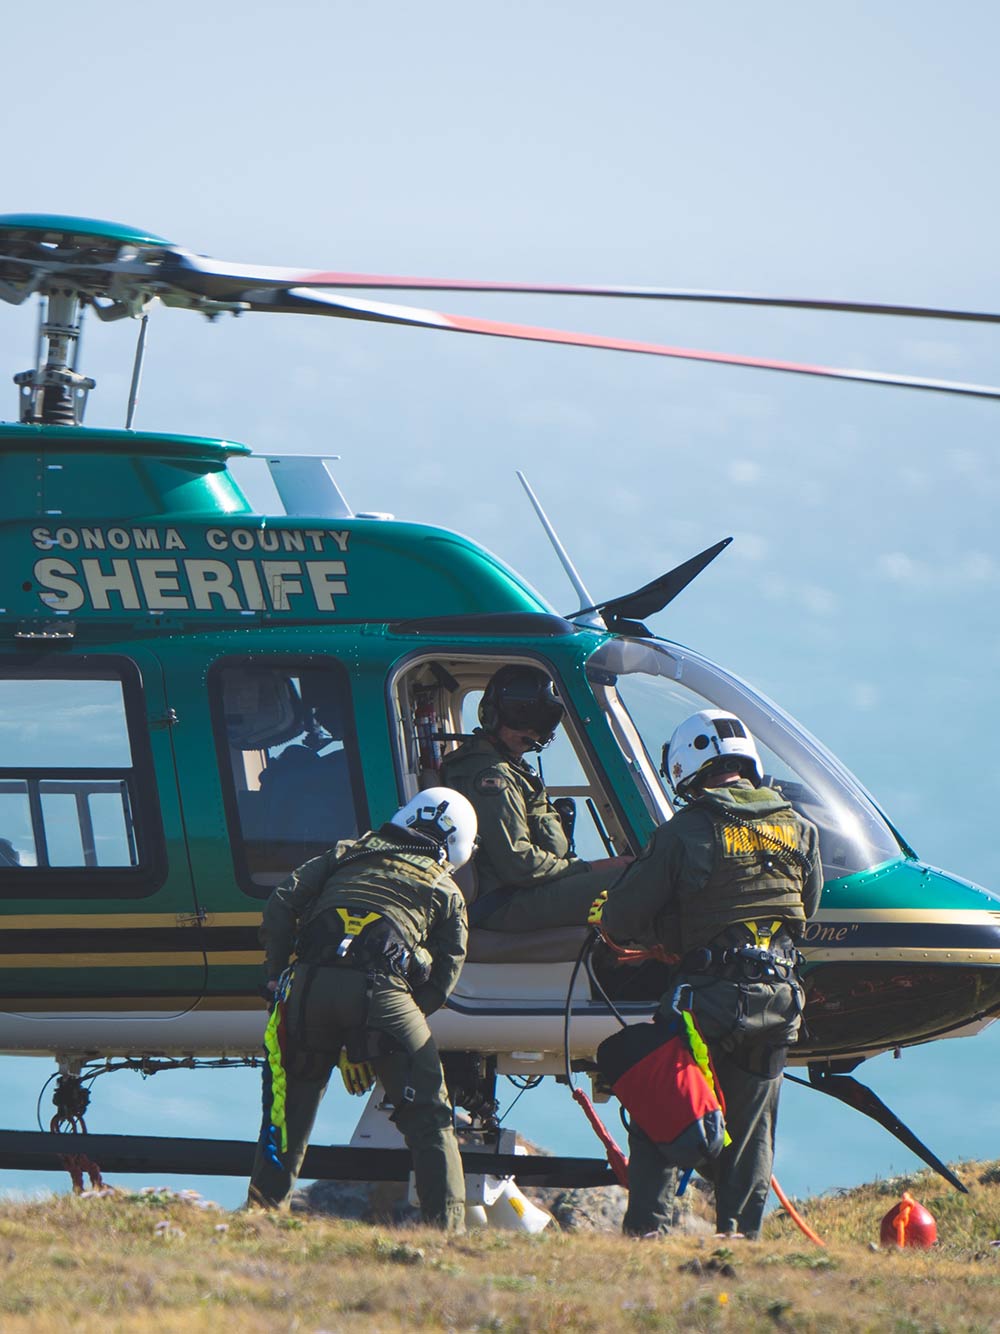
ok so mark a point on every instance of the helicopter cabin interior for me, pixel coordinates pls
(434, 702)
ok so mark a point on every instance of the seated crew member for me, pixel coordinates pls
(528, 876)
(378, 929)
(727, 885)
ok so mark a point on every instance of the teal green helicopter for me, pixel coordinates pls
(196, 697)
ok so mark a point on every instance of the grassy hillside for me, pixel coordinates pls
(155, 1262)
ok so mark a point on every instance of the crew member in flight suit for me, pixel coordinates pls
(528, 877)
(378, 929)
(727, 886)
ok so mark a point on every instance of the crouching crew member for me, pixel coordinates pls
(528, 876)
(727, 885)
(378, 929)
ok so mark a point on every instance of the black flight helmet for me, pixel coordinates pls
(522, 697)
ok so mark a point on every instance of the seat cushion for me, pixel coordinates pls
(554, 944)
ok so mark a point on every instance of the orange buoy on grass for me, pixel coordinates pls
(908, 1224)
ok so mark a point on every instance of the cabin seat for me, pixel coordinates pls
(551, 944)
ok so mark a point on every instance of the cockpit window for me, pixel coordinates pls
(286, 732)
(652, 688)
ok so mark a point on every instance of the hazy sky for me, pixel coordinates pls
(840, 150)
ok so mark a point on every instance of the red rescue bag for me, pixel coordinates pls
(662, 1075)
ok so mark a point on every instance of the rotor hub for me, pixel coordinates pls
(70, 263)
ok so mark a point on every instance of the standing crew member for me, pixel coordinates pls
(379, 930)
(528, 875)
(727, 885)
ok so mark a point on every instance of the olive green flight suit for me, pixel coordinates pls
(527, 876)
(702, 874)
(332, 1004)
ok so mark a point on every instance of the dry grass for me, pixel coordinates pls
(158, 1264)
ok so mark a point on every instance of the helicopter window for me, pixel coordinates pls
(428, 720)
(288, 744)
(68, 781)
(657, 688)
(437, 702)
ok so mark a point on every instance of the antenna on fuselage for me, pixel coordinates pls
(140, 353)
(591, 616)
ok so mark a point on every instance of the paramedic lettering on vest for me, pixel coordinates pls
(727, 886)
(378, 929)
(528, 877)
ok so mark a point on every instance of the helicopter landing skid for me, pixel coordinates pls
(862, 1099)
(41, 1151)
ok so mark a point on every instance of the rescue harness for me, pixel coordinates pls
(756, 952)
(366, 941)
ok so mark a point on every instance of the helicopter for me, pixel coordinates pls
(196, 697)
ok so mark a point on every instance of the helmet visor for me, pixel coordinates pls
(541, 713)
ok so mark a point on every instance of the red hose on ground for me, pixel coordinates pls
(796, 1218)
(616, 1159)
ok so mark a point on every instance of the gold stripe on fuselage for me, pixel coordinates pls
(844, 954)
(188, 959)
(131, 921)
(940, 916)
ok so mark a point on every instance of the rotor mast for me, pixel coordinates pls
(55, 393)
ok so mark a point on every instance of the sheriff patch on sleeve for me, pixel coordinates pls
(490, 784)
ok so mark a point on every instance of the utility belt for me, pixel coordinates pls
(753, 952)
(367, 942)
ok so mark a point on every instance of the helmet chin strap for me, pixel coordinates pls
(525, 743)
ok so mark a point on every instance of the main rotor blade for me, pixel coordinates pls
(315, 303)
(219, 279)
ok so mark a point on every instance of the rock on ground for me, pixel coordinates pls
(591, 1209)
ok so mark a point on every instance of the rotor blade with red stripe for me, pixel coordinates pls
(306, 303)
(217, 279)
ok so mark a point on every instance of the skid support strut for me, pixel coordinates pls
(862, 1099)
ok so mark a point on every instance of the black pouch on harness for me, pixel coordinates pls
(661, 1074)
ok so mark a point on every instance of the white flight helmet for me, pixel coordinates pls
(702, 739)
(447, 817)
